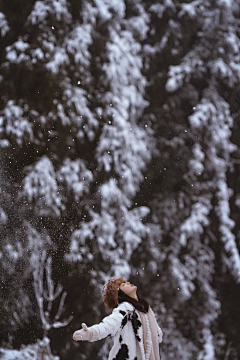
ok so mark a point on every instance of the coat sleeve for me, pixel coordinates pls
(108, 326)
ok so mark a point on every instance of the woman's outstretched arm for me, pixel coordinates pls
(108, 326)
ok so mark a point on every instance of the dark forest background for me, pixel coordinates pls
(119, 136)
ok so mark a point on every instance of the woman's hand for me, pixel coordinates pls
(85, 334)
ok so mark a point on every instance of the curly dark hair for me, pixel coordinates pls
(110, 292)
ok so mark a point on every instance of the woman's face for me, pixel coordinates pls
(129, 289)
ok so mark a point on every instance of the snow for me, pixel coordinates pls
(127, 160)
(42, 9)
(25, 354)
(220, 68)
(78, 44)
(181, 74)
(60, 58)
(183, 278)
(29, 352)
(76, 177)
(3, 216)
(139, 25)
(4, 27)
(196, 222)
(226, 225)
(40, 184)
(38, 54)
(104, 227)
(16, 53)
(160, 8)
(196, 165)
(106, 7)
(208, 352)
(17, 125)
(188, 9)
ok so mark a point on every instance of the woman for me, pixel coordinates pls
(132, 323)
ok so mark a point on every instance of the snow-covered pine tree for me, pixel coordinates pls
(73, 145)
(191, 60)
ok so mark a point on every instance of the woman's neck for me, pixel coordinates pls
(134, 296)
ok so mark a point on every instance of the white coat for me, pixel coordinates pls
(125, 325)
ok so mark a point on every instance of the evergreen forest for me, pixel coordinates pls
(119, 156)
